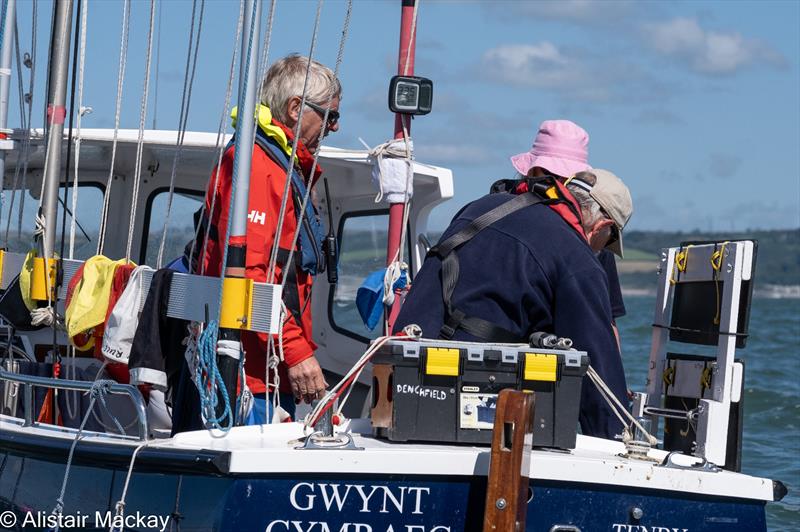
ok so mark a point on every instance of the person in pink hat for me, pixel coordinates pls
(561, 149)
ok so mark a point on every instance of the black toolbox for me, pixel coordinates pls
(436, 390)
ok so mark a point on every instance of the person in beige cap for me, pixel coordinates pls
(523, 261)
(561, 149)
(605, 198)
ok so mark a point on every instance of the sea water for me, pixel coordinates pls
(771, 446)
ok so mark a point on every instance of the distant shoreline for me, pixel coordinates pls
(767, 291)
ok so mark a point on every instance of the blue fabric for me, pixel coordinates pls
(261, 412)
(180, 264)
(529, 272)
(369, 297)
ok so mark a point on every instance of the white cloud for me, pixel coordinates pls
(455, 153)
(540, 65)
(574, 74)
(588, 12)
(706, 51)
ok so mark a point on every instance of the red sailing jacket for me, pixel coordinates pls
(267, 183)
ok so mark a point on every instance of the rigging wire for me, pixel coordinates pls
(209, 381)
(73, 88)
(123, 59)
(158, 67)
(323, 128)
(76, 46)
(186, 98)
(284, 199)
(81, 111)
(18, 164)
(3, 16)
(306, 196)
(25, 118)
(137, 178)
(219, 147)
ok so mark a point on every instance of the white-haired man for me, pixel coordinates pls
(279, 114)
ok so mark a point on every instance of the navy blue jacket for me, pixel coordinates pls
(529, 272)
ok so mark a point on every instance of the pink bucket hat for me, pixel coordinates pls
(560, 146)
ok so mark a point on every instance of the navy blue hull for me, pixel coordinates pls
(344, 503)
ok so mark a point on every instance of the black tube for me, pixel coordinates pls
(331, 245)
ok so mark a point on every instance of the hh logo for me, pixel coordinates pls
(257, 217)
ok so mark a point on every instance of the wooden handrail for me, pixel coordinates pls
(507, 483)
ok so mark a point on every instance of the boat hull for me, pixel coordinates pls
(330, 502)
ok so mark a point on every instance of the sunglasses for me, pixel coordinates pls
(333, 116)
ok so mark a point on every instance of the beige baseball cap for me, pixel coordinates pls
(615, 199)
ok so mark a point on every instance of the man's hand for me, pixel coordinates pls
(307, 380)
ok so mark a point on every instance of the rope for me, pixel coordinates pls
(119, 507)
(618, 409)
(158, 66)
(27, 143)
(323, 127)
(219, 146)
(137, 178)
(123, 58)
(207, 368)
(209, 381)
(22, 162)
(352, 375)
(81, 112)
(304, 203)
(186, 98)
(288, 181)
(413, 36)
(272, 361)
(716, 265)
(3, 20)
(73, 88)
(22, 120)
(98, 390)
(679, 264)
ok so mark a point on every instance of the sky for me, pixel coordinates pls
(695, 105)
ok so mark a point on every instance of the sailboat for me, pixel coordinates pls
(280, 477)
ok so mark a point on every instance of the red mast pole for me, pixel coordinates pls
(405, 67)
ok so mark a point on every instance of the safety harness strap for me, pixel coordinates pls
(456, 319)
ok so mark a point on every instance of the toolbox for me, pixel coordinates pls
(444, 391)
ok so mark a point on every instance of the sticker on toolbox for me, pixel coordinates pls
(476, 410)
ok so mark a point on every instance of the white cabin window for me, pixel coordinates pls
(180, 228)
(18, 235)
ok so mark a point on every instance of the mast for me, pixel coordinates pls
(5, 80)
(242, 157)
(405, 67)
(56, 112)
